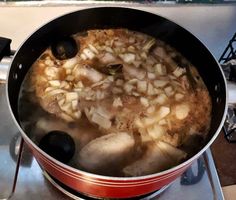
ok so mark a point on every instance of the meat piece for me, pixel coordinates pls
(159, 156)
(100, 155)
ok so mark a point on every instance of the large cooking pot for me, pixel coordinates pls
(112, 17)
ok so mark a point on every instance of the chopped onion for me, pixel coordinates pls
(68, 71)
(51, 71)
(181, 111)
(160, 99)
(66, 117)
(70, 96)
(54, 92)
(128, 87)
(64, 85)
(136, 94)
(151, 110)
(108, 58)
(103, 112)
(109, 49)
(92, 48)
(127, 57)
(83, 56)
(116, 90)
(77, 114)
(48, 89)
(70, 63)
(160, 83)
(149, 44)
(117, 102)
(119, 82)
(143, 55)
(151, 75)
(179, 71)
(88, 53)
(144, 101)
(162, 122)
(74, 104)
(150, 89)
(70, 78)
(141, 86)
(49, 62)
(162, 112)
(169, 91)
(66, 107)
(156, 131)
(101, 121)
(131, 49)
(160, 69)
(178, 96)
(61, 102)
(79, 84)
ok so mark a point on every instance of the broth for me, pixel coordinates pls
(133, 104)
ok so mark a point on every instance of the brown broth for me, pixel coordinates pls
(124, 87)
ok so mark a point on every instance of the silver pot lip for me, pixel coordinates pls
(102, 177)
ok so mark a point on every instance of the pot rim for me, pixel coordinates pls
(103, 177)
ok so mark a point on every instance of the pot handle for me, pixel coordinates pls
(5, 57)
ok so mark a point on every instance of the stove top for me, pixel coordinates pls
(22, 178)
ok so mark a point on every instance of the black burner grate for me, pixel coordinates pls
(228, 63)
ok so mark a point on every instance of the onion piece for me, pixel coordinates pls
(156, 131)
(88, 53)
(160, 69)
(70, 96)
(92, 48)
(103, 112)
(77, 114)
(128, 87)
(169, 91)
(160, 99)
(149, 44)
(54, 92)
(107, 58)
(160, 83)
(101, 121)
(54, 83)
(117, 102)
(117, 90)
(179, 96)
(141, 86)
(51, 71)
(144, 101)
(74, 104)
(70, 63)
(179, 71)
(66, 117)
(128, 57)
(151, 110)
(151, 75)
(181, 111)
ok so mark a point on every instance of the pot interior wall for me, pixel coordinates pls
(136, 20)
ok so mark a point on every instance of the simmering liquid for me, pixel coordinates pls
(133, 104)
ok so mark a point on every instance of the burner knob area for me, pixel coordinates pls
(59, 145)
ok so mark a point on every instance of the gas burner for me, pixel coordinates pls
(228, 63)
(76, 195)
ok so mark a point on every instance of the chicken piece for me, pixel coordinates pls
(159, 156)
(104, 153)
